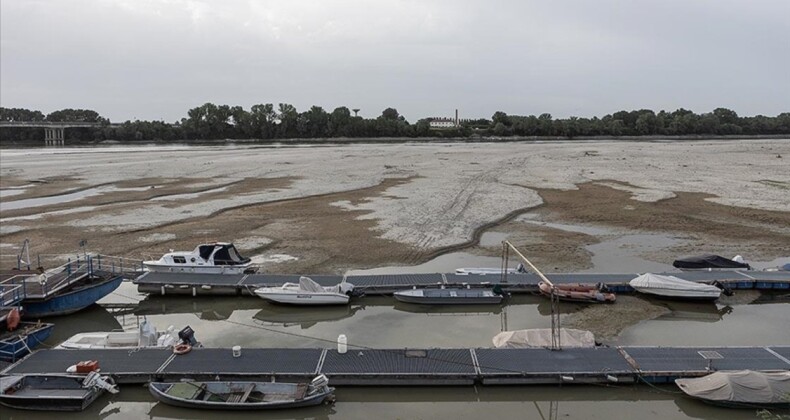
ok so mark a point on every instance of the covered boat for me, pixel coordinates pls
(213, 258)
(450, 296)
(307, 292)
(578, 292)
(53, 392)
(711, 262)
(741, 388)
(541, 338)
(243, 395)
(674, 288)
(145, 336)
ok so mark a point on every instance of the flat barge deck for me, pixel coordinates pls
(243, 284)
(418, 367)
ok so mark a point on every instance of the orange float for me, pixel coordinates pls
(12, 321)
(182, 348)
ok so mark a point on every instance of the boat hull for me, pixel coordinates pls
(578, 293)
(157, 391)
(679, 294)
(71, 301)
(201, 269)
(279, 296)
(448, 297)
(48, 393)
(15, 346)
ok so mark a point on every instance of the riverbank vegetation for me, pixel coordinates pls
(268, 122)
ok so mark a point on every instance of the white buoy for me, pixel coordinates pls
(236, 351)
(342, 344)
(612, 378)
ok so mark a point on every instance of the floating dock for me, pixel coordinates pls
(243, 284)
(418, 367)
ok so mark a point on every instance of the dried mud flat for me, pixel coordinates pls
(336, 208)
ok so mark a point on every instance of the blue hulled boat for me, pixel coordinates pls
(81, 294)
(18, 343)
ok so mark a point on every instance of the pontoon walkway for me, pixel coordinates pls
(416, 366)
(228, 284)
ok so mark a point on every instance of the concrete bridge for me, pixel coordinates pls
(54, 132)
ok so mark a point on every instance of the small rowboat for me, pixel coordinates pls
(243, 395)
(577, 292)
(450, 296)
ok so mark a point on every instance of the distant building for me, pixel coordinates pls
(444, 122)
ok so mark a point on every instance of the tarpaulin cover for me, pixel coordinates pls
(743, 386)
(708, 261)
(541, 337)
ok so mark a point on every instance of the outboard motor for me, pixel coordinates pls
(346, 288)
(726, 291)
(319, 384)
(521, 269)
(94, 380)
(187, 336)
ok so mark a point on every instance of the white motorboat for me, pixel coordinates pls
(213, 258)
(520, 269)
(145, 336)
(675, 288)
(307, 292)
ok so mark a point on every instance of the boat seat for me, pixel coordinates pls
(247, 391)
(234, 398)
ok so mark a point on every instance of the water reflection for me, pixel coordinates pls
(93, 318)
(304, 317)
(694, 311)
(538, 402)
(208, 309)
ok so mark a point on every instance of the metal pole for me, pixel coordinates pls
(556, 343)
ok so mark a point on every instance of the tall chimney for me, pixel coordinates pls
(456, 117)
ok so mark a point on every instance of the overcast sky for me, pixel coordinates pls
(150, 59)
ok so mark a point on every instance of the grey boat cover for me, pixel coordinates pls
(743, 386)
(655, 281)
(541, 337)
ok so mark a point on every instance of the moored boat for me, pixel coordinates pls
(25, 336)
(211, 258)
(53, 392)
(146, 336)
(672, 287)
(740, 389)
(307, 292)
(77, 296)
(520, 269)
(243, 395)
(711, 263)
(577, 292)
(542, 338)
(450, 296)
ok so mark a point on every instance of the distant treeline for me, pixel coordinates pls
(267, 122)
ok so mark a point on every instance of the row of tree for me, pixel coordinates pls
(267, 122)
